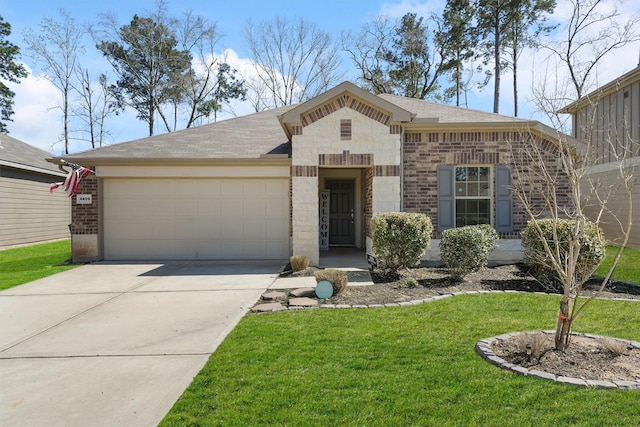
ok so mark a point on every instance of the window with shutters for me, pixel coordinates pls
(465, 195)
(473, 195)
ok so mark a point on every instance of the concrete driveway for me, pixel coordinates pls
(112, 344)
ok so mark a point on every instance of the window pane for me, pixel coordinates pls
(484, 174)
(461, 210)
(461, 189)
(472, 174)
(472, 189)
(483, 212)
(461, 174)
(483, 189)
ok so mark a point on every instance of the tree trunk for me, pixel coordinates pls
(65, 113)
(515, 86)
(497, 68)
(563, 327)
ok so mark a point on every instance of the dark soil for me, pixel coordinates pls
(420, 283)
(586, 358)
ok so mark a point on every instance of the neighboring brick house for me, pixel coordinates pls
(608, 120)
(28, 212)
(290, 180)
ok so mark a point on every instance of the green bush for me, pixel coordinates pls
(465, 250)
(337, 278)
(299, 262)
(400, 239)
(592, 249)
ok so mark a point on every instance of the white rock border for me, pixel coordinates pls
(483, 348)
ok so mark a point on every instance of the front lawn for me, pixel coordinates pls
(22, 265)
(399, 366)
(628, 268)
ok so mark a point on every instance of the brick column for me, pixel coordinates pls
(85, 223)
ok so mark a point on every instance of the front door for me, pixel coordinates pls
(341, 212)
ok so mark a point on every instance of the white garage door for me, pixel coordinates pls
(153, 219)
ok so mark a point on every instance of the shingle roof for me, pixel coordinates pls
(254, 135)
(446, 113)
(20, 155)
(246, 137)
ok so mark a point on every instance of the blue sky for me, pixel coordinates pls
(38, 124)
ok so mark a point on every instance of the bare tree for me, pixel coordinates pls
(593, 30)
(294, 60)
(96, 104)
(563, 186)
(403, 57)
(57, 47)
(210, 82)
(367, 50)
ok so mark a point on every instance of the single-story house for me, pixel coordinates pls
(301, 178)
(608, 120)
(28, 212)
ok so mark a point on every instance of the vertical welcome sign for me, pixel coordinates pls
(324, 220)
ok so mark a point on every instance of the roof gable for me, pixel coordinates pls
(344, 95)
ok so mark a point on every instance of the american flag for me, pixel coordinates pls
(72, 182)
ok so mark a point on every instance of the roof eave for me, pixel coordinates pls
(596, 95)
(265, 159)
(35, 169)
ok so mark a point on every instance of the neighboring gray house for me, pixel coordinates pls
(29, 213)
(295, 179)
(609, 120)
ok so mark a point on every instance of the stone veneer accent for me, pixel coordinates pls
(424, 151)
(374, 146)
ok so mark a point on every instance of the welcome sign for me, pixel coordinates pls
(324, 220)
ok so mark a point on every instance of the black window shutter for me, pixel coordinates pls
(446, 198)
(504, 200)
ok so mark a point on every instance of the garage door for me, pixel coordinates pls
(146, 219)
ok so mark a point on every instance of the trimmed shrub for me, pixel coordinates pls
(299, 262)
(337, 278)
(592, 249)
(400, 239)
(465, 250)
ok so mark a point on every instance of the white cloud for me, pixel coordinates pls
(36, 120)
(420, 8)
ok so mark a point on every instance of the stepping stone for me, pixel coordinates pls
(302, 302)
(274, 296)
(303, 292)
(262, 308)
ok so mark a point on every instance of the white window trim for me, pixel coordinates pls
(491, 195)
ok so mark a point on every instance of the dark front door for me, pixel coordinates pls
(342, 212)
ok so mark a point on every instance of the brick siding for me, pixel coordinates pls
(85, 217)
(423, 152)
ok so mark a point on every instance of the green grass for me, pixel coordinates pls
(628, 268)
(399, 367)
(22, 265)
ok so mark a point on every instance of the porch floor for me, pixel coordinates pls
(352, 260)
(344, 259)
